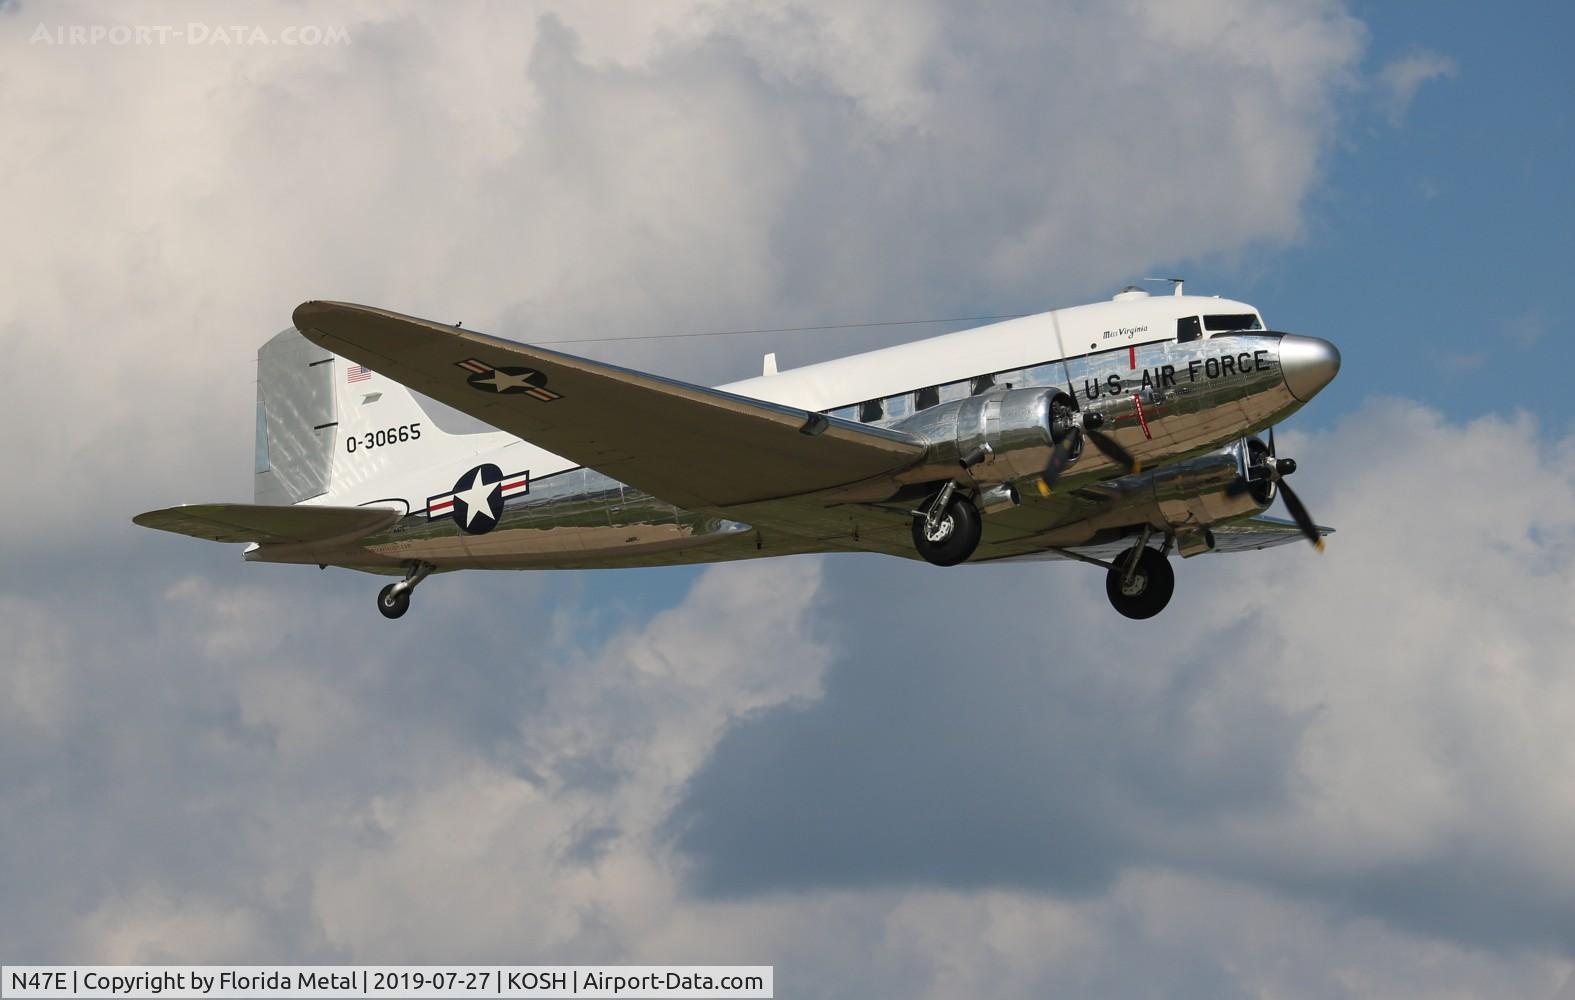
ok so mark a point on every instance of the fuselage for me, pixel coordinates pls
(1176, 377)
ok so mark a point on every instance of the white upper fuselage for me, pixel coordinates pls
(1015, 343)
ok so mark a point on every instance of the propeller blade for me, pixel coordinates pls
(1117, 454)
(1059, 456)
(1299, 514)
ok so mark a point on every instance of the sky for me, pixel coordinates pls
(1341, 776)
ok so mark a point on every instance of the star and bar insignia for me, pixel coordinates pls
(505, 381)
(476, 501)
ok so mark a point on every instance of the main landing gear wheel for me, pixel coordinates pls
(951, 536)
(1145, 592)
(394, 599)
(393, 603)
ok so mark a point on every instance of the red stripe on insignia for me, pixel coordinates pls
(1132, 357)
(1142, 420)
(440, 506)
(510, 486)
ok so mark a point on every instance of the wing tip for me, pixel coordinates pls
(309, 314)
(323, 320)
(152, 518)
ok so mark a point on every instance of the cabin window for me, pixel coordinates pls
(927, 397)
(1232, 321)
(982, 385)
(870, 411)
(1187, 328)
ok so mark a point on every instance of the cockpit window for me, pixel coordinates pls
(1232, 321)
(1187, 329)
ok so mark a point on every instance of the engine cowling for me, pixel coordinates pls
(1210, 488)
(998, 437)
(1193, 495)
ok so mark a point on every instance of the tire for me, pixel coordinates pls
(393, 604)
(955, 536)
(1152, 584)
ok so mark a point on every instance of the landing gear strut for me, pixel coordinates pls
(947, 531)
(1140, 582)
(394, 599)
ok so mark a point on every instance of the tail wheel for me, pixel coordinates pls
(393, 603)
(953, 536)
(1147, 590)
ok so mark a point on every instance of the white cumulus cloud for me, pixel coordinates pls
(1401, 78)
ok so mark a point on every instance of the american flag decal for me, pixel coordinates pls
(508, 380)
(357, 373)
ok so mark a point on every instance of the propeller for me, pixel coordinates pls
(1068, 441)
(1298, 511)
(1107, 444)
(1277, 469)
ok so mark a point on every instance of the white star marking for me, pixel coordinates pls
(501, 381)
(476, 497)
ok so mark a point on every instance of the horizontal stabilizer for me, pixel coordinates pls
(245, 522)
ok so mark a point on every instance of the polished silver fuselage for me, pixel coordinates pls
(1182, 408)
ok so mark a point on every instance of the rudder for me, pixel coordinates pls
(295, 420)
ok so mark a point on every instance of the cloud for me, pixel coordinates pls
(573, 171)
(1401, 78)
(1527, 329)
(276, 784)
(1402, 765)
(872, 771)
(1342, 776)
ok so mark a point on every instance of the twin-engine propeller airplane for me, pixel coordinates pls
(1113, 434)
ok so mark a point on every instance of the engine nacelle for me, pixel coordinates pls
(1193, 495)
(997, 437)
(1208, 489)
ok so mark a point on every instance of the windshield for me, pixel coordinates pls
(1222, 322)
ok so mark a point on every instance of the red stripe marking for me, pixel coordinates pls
(1143, 420)
(1132, 357)
(510, 486)
(440, 506)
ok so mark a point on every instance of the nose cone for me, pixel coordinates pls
(1308, 364)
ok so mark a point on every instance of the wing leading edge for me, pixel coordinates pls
(690, 445)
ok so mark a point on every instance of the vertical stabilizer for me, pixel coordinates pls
(328, 425)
